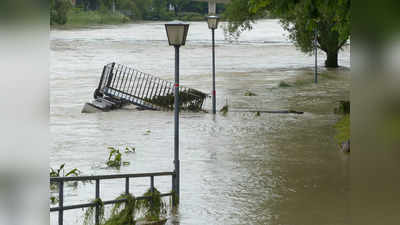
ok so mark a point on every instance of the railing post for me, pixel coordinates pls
(127, 185)
(110, 76)
(97, 213)
(152, 184)
(173, 189)
(60, 202)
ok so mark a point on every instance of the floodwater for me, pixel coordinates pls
(277, 169)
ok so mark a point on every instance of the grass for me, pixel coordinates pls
(78, 17)
(306, 79)
(343, 129)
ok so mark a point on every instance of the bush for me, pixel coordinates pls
(80, 17)
(191, 16)
(343, 108)
(284, 84)
(59, 10)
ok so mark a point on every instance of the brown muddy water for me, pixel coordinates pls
(278, 169)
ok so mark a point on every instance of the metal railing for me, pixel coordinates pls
(122, 83)
(61, 180)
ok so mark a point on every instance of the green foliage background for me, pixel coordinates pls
(331, 18)
(88, 12)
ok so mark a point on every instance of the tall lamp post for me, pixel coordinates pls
(213, 24)
(176, 33)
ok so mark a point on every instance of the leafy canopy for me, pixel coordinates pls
(300, 18)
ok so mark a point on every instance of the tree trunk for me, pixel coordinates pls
(332, 59)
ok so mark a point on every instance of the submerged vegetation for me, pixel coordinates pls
(343, 129)
(92, 12)
(57, 172)
(61, 172)
(123, 215)
(284, 84)
(189, 99)
(343, 126)
(115, 157)
(249, 93)
(151, 208)
(89, 213)
(224, 110)
(130, 149)
(344, 108)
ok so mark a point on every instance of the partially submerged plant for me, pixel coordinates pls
(130, 149)
(283, 84)
(343, 108)
(61, 172)
(153, 207)
(53, 200)
(57, 172)
(125, 215)
(114, 158)
(249, 93)
(89, 213)
(343, 129)
(224, 110)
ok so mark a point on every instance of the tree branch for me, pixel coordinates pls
(343, 43)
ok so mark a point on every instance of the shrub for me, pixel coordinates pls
(59, 10)
(284, 84)
(191, 16)
(249, 93)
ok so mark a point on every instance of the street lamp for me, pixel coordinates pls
(213, 24)
(176, 33)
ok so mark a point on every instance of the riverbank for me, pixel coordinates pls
(338, 78)
(77, 18)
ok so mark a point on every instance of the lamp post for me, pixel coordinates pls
(213, 24)
(176, 33)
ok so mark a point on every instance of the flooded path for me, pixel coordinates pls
(236, 169)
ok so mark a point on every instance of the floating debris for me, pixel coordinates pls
(249, 93)
(120, 85)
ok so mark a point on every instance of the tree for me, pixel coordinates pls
(299, 17)
(178, 5)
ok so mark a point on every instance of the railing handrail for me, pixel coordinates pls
(61, 180)
(128, 83)
(111, 176)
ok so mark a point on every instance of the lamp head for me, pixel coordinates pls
(212, 21)
(177, 32)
